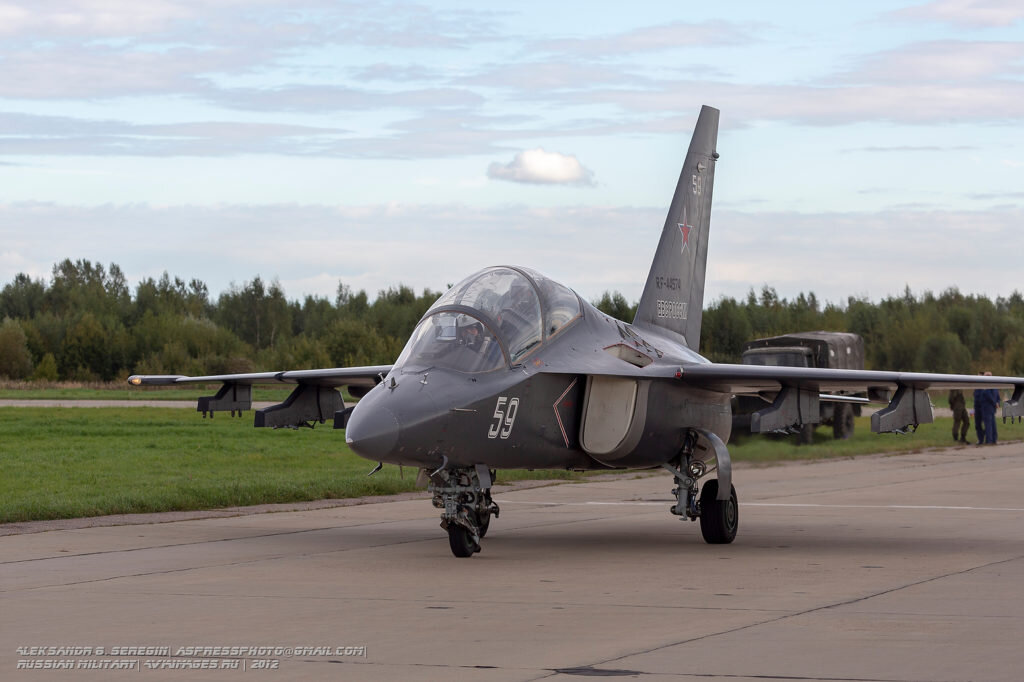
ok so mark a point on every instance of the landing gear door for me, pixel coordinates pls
(614, 412)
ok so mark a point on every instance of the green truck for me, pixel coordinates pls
(834, 350)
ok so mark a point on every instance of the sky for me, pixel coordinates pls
(865, 147)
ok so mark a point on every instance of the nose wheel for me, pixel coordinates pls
(460, 539)
(464, 496)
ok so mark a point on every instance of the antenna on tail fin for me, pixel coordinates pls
(673, 298)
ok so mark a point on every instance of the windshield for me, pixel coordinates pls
(452, 340)
(508, 298)
(520, 307)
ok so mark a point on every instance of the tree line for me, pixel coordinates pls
(85, 324)
(948, 333)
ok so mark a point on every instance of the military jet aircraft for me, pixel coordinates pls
(512, 370)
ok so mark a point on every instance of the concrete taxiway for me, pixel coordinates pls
(905, 567)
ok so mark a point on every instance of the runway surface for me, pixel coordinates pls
(905, 567)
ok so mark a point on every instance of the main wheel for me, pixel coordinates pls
(718, 520)
(842, 421)
(483, 523)
(460, 541)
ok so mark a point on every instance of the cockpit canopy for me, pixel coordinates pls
(491, 318)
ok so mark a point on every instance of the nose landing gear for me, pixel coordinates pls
(464, 496)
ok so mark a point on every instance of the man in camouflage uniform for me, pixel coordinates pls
(961, 420)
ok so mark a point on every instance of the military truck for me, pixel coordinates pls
(835, 350)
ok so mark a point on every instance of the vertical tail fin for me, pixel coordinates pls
(673, 298)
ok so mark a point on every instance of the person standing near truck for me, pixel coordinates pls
(980, 403)
(992, 400)
(961, 420)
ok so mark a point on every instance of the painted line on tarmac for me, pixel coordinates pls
(775, 504)
(881, 506)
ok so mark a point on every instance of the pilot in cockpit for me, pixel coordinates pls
(464, 343)
(471, 336)
(480, 347)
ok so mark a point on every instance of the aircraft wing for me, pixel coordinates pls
(797, 391)
(315, 398)
(338, 376)
(758, 378)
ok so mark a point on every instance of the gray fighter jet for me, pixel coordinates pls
(512, 370)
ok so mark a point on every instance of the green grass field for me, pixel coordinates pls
(29, 391)
(71, 462)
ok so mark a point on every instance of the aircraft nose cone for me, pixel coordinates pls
(373, 434)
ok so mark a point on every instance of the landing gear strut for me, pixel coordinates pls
(464, 496)
(719, 518)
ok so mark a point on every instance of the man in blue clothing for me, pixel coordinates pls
(992, 400)
(980, 402)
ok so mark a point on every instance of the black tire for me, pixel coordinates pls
(719, 521)
(460, 541)
(483, 524)
(842, 421)
(806, 435)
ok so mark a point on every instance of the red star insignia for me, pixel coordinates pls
(685, 228)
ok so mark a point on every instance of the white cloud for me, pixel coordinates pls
(258, 57)
(550, 74)
(941, 61)
(61, 136)
(70, 72)
(443, 134)
(272, 22)
(320, 98)
(90, 17)
(65, 49)
(668, 36)
(822, 104)
(982, 13)
(540, 167)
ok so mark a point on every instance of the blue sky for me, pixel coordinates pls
(864, 146)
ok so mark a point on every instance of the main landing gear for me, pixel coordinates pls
(719, 518)
(464, 496)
